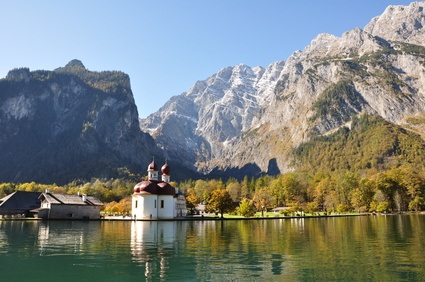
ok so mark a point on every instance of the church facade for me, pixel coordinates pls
(156, 199)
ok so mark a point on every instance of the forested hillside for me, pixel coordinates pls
(369, 143)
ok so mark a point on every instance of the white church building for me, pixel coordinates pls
(157, 199)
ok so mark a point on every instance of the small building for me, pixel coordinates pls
(19, 204)
(157, 199)
(61, 206)
(181, 209)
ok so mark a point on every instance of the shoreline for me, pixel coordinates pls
(217, 218)
(211, 218)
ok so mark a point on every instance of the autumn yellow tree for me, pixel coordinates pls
(246, 208)
(219, 201)
(262, 199)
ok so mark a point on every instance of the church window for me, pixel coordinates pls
(162, 204)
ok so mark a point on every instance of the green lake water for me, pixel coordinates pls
(356, 248)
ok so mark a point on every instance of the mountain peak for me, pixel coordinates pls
(400, 23)
(75, 64)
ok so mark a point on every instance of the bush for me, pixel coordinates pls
(312, 207)
(383, 207)
(342, 208)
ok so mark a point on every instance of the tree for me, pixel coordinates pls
(29, 187)
(319, 191)
(214, 184)
(201, 190)
(414, 183)
(246, 208)
(262, 199)
(388, 183)
(417, 204)
(346, 183)
(6, 189)
(234, 189)
(292, 188)
(362, 196)
(246, 188)
(111, 207)
(276, 190)
(312, 207)
(357, 200)
(331, 201)
(383, 207)
(342, 208)
(219, 201)
(262, 182)
(191, 200)
(122, 207)
(125, 205)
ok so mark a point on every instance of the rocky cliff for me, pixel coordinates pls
(69, 124)
(251, 119)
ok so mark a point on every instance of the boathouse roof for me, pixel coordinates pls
(19, 202)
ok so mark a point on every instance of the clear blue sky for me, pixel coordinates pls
(167, 45)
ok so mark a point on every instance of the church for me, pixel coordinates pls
(157, 199)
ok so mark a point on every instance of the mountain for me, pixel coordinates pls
(250, 120)
(193, 127)
(70, 123)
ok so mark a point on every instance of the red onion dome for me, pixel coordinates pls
(136, 188)
(146, 187)
(152, 166)
(166, 169)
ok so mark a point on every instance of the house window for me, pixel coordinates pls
(135, 205)
(155, 204)
(162, 204)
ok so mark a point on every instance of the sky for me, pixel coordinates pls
(165, 46)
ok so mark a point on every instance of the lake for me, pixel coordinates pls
(357, 248)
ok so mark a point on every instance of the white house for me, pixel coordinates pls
(155, 199)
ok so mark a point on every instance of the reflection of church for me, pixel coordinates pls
(152, 244)
(157, 199)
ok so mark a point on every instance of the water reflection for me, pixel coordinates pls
(383, 248)
(60, 241)
(152, 244)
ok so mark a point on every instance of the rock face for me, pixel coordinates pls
(400, 23)
(194, 127)
(69, 124)
(245, 117)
